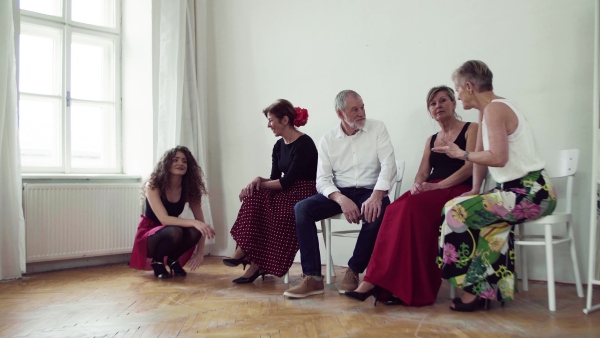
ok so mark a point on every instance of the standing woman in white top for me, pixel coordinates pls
(477, 239)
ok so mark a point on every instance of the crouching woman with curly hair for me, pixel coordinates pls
(162, 236)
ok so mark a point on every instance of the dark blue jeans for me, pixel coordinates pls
(318, 207)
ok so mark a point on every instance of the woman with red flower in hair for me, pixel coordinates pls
(265, 229)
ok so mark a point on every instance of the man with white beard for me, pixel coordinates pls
(355, 171)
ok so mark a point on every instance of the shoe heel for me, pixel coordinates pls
(376, 293)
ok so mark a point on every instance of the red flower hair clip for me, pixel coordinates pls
(301, 117)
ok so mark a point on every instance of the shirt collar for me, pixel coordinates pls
(340, 132)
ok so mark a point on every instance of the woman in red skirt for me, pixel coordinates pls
(404, 259)
(265, 229)
(163, 237)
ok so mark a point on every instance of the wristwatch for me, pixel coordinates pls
(466, 155)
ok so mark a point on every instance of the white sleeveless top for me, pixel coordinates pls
(522, 156)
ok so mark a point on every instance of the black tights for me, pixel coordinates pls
(172, 241)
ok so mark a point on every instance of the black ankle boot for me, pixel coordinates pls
(176, 269)
(159, 270)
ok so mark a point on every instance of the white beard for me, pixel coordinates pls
(355, 125)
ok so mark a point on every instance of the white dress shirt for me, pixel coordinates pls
(363, 160)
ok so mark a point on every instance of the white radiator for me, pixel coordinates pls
(64, 221)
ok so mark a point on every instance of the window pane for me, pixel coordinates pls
(50, 7)
(40, 131)
(92, 68)
(40, 75)
(94, 12)
(92, 135)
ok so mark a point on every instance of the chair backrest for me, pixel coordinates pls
(563, 163)
(398, 185)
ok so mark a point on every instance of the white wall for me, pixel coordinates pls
(392, 52)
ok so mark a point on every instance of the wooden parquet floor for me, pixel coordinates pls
(116, 301)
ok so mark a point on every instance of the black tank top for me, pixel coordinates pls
(173, 209)
(443, 166)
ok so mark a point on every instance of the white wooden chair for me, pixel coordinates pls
(326, 224)
(561, 164)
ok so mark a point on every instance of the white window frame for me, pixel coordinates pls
(68, 27)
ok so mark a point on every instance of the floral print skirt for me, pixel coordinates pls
(476, 245)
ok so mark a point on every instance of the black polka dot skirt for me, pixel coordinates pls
(266, 229)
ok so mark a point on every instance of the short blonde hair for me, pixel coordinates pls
(477, 73)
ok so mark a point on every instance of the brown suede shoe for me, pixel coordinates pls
(308, 287)
(350, 281)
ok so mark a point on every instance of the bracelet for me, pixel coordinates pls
(466, 156)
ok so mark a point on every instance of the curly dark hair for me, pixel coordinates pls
(192, 184)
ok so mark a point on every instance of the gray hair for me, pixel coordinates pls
(476, 72)
(340, 99)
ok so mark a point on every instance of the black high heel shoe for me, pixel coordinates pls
(361, 296)
(176, 269)
(251, 279)
(393, 300)
(233, 262)
(476, 304)
(159, 270)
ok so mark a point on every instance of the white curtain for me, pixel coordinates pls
(182, 89)
(12, 224)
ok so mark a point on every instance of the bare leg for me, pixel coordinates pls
(364, 287)
(239, 253)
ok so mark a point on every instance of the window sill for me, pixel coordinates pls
(68, 178)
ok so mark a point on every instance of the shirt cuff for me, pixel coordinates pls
(329, 190)
(384, 186)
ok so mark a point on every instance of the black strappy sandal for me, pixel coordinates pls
(159, 270)
(176, 268)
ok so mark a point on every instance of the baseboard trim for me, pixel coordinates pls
(75, 263)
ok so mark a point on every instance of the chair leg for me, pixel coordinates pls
(575, 263)
(522, 257)
(326, 229)
(550, 267)
(331, 266)
(286, 278)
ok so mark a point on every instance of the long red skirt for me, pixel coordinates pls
(138, 259)
(404, 259)
(266, 227)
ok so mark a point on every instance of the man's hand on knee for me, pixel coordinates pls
(349, 208)
(371, 208)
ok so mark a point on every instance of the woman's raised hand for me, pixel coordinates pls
(206, 230)
(451, 149)
(247, 191)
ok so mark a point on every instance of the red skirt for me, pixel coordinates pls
(138, 259)
(404, 259)
(266, 226)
